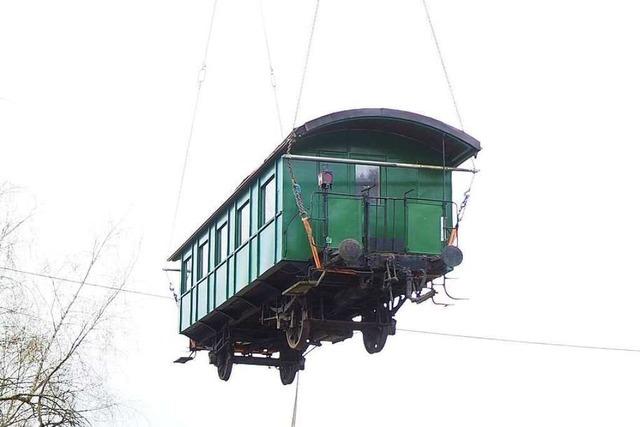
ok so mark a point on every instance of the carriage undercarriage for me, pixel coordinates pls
(308, 306)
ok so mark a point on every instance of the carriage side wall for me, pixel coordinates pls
(239, 244)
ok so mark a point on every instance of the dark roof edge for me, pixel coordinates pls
(387, 113)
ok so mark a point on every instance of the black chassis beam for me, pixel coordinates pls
(433, 265)
(350, 325)
(267, 361)
(378, 261)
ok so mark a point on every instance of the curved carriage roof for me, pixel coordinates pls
(422, 130)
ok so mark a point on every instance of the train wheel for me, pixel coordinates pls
(375, 338)
(288, 372)
(299, 328)
(224, 361)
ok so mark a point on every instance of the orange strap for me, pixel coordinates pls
(312, 242)
(453, 236)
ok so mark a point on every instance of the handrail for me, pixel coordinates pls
(390, 202)
(376, 163)
(359, 196)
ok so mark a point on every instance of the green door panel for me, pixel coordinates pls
(423, 228)
(345, 219)
(402, 181)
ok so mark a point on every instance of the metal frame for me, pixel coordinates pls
(366, 200)
(375, 163)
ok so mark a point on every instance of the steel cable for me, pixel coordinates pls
(271, 70)
(467, 193)
(202, 74)
(295, 398)
(295, 187)
(306, 62)
(442, 63)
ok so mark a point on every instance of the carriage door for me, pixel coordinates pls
(343, 215)
(368, 187)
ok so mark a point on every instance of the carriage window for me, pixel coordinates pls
(368, 177)
(268, 197)
(203, 260)
(222, 239)
(242, 224)
(186, 275)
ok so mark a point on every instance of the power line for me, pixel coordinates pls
(19, 312)
(519, 341)
(476, 337)
(79, 282)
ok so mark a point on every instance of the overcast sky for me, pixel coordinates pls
(95, 106)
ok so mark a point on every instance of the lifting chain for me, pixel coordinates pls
(297, 190)
(465, 200)
(453, 237)
(297, 195)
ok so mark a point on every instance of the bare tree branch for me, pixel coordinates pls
(44, 378)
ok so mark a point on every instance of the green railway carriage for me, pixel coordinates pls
(374, 186)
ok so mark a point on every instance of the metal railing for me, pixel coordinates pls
(385, 219)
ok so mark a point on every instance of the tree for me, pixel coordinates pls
(47, 377)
